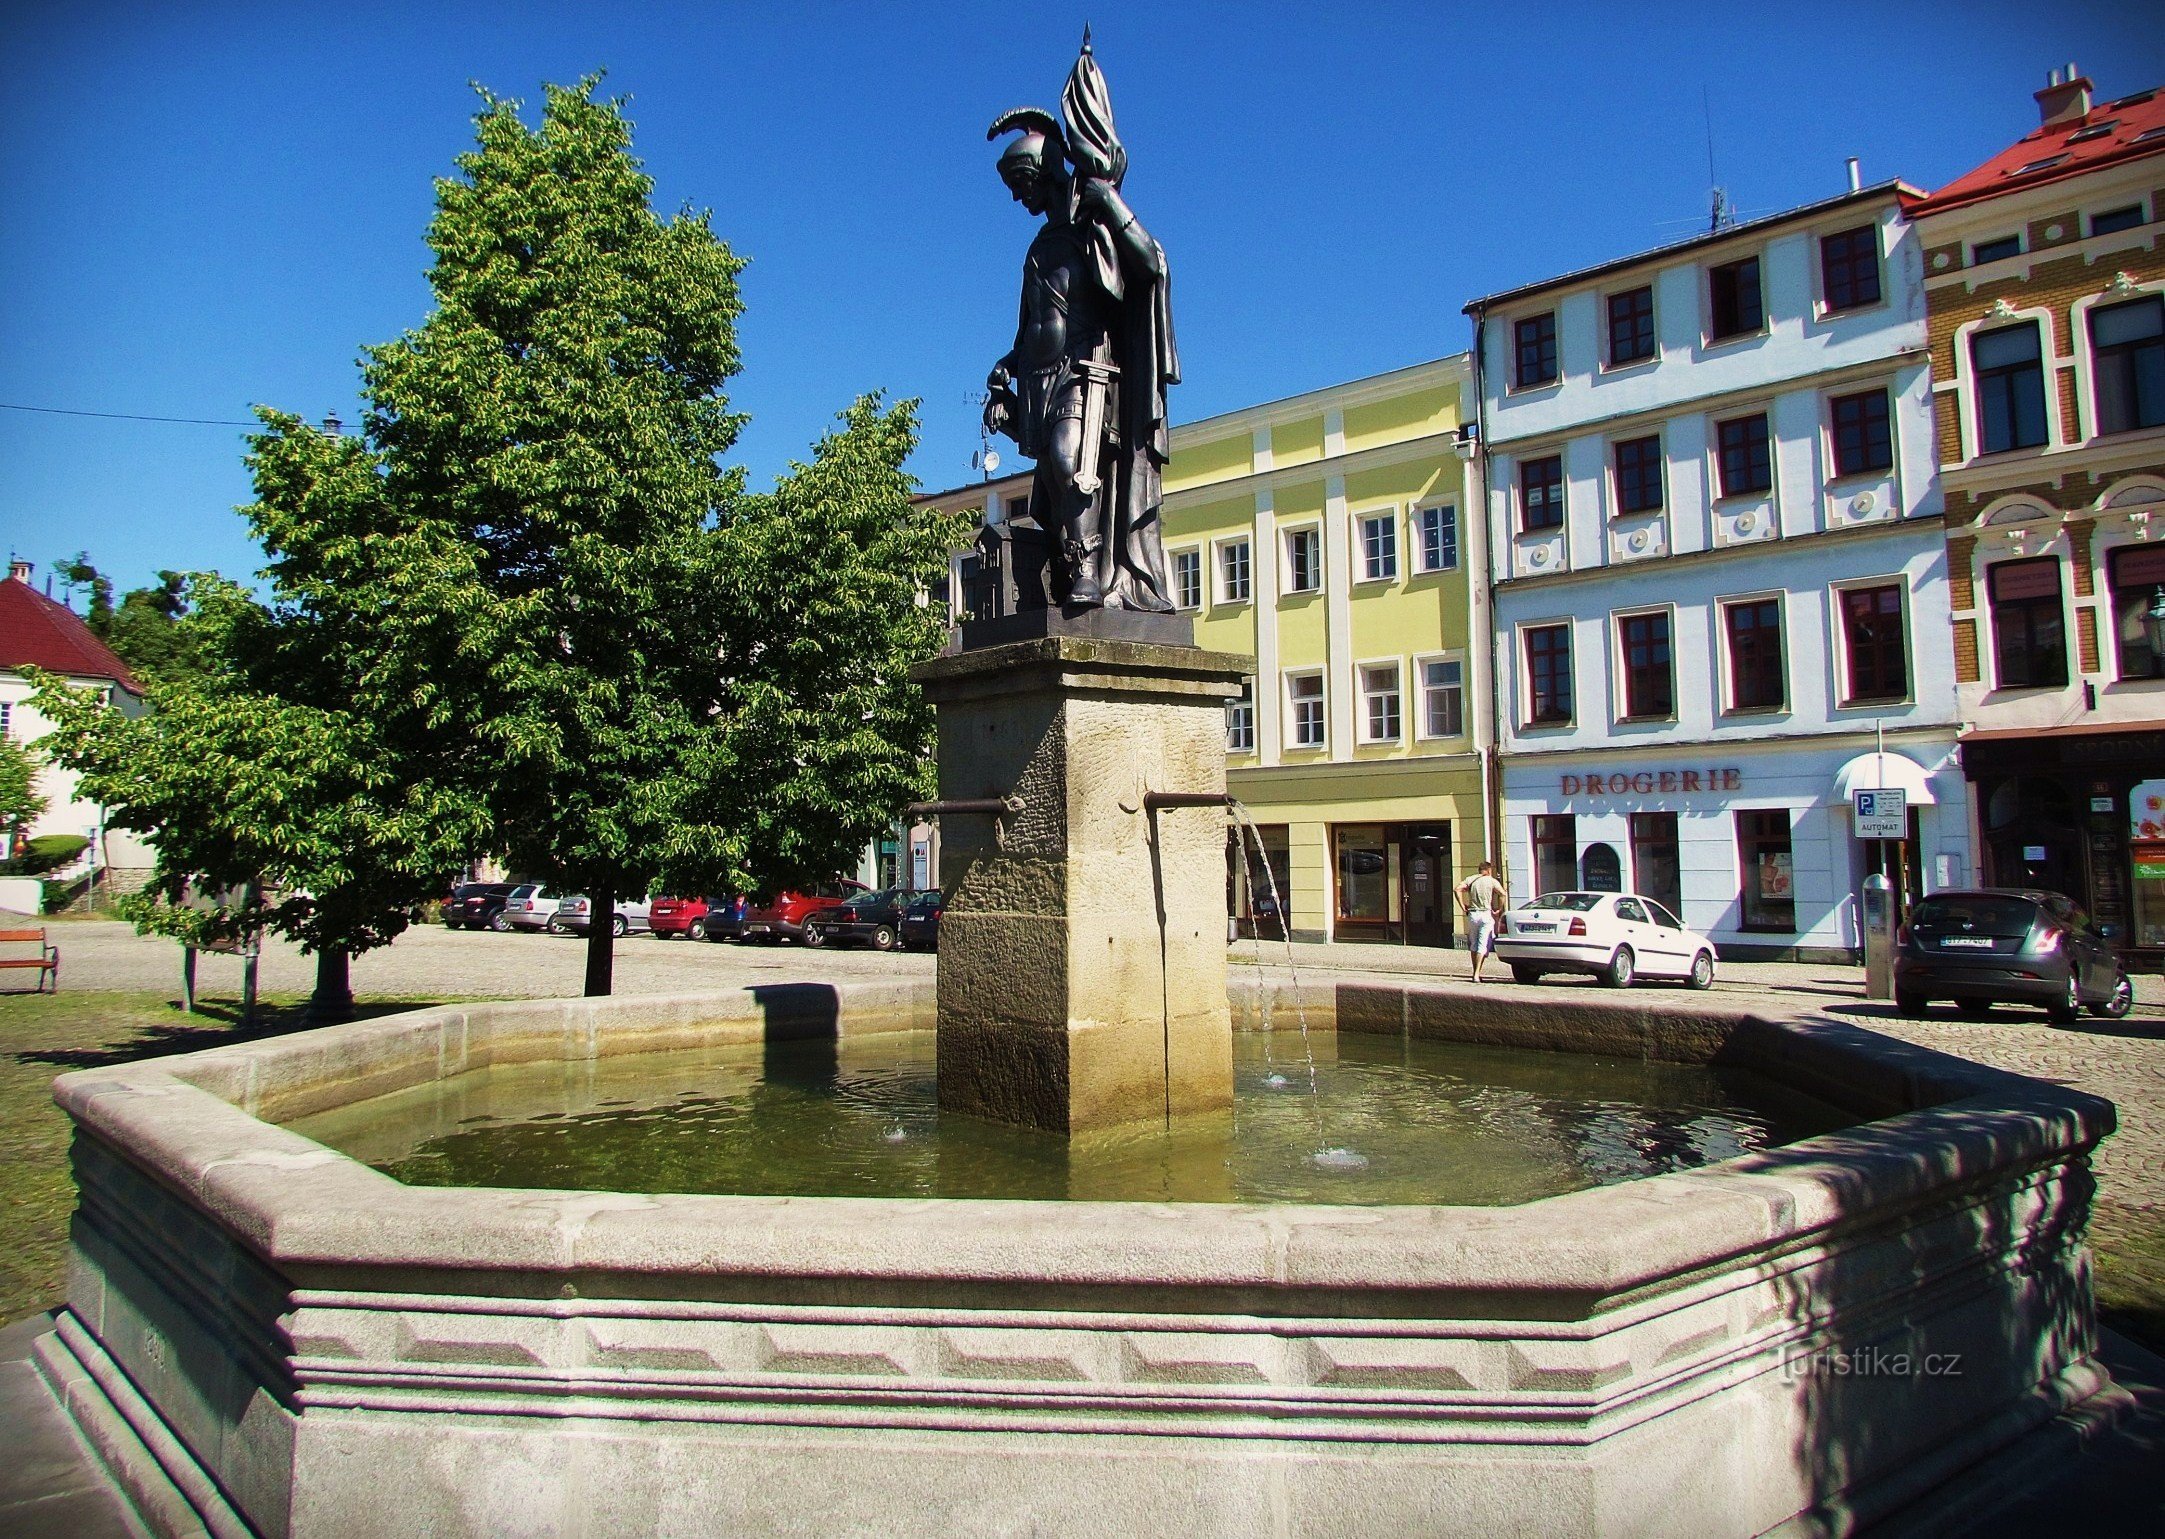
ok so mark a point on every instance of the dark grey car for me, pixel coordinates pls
(2007, 946)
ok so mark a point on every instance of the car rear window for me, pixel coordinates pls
(1998, 915)
(1569, 902)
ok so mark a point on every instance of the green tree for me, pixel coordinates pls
(145, 629)
(20, 804)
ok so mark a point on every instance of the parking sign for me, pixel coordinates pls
(1882, 814)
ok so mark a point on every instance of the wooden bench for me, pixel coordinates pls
(47, 961)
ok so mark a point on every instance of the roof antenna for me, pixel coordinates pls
(1720, 213)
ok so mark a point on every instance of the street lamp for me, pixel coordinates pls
(2153, 631)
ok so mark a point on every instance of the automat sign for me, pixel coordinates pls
(1881, 814)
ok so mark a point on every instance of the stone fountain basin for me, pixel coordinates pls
(263, 1335)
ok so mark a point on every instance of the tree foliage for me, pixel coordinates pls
(20, 803)
(145, 629)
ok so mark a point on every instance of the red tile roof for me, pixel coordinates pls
(2109, 132)
(39, 632)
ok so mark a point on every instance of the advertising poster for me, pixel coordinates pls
(2146, 828)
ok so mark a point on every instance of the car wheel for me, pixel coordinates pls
(2119, 1001)
(1702, 970)
(1618, 974)
(554, 927)
(500, 925)
(814, 935)
(1973, 1009)
(619, 925)
(883, 939)
(1911, 1005)
(696, 930)
(1525, 973)
(2067, 1011)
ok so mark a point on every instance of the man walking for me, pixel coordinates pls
(1481, 899)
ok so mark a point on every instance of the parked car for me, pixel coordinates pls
(2007, 946)
(526, 907)
(921, 920)
(678, 916)
(573, 916)
(1616, 936)
(473, 904)
(785, 913)
(725, 920)
(874, 919)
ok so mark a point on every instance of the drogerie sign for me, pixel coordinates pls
(1655, 782)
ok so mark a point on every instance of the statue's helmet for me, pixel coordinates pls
(1039, 147)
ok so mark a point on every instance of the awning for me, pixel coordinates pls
(1885, 772)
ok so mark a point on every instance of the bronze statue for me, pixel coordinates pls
(1083, 391)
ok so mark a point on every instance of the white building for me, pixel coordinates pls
(1719, 575)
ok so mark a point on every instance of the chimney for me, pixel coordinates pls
(1856, 176)
(18, 569)
(2065, 98)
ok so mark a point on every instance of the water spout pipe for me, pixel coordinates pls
(996, 805)
(1153, 800)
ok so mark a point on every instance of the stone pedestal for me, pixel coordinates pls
(1082, 977)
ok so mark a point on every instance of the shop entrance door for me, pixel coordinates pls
(1426, 882)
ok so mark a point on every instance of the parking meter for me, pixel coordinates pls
(1878, 937)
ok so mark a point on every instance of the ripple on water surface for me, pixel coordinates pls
(1392, 1121)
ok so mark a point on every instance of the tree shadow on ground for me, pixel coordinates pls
(216, 1023)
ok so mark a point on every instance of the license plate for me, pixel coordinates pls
(1521, 927)
(756, 929)
(1966, 942)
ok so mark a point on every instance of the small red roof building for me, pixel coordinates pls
(38, 632)
(2073, 139)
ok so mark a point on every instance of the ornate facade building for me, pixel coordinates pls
(2045, 293)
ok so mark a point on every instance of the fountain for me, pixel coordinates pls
(785, 1275)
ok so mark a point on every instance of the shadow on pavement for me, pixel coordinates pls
(216, 1023)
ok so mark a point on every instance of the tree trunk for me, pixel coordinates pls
(333, 999)
(600, 941)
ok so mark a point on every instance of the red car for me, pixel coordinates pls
(784, 914)
(679, 917)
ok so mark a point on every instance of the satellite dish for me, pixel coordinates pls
(992, 461)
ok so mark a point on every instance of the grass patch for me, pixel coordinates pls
(2130, 1246)
(42, 1035)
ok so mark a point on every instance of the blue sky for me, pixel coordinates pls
(208, 205)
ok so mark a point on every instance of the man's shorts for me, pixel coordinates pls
(1481, 934)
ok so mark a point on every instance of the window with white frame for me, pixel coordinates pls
(1435, 531)
(1235, 572)
(7, 712)
(1303, 559)
(1379, 547)
(1240, 719)
(1304, 709)
(1188, 579)
(1382, 709)
(1443, 697)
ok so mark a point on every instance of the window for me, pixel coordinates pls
(1548, 675)
(1994, 250)
(2137, 575)
(1535, 341)
(1752, 631)
(1863, 438)
(1443, 697)
(1240, 719)
(2010, 388)
(2127, 345)
(1233, 572)
(1364, 872)
(1379, 547)
(7, 713)
(964, 580)
(1436, 530)
(1638, 475)
(2116, 219)
(1769, 888)
(1849, 268)
(1303, 560)
(1304, 708)
(2029, 634)
(1733, 303)
(1746, 455)
(1642, 642)
(1188, 579)
(1380, 706)
(1541, 493)
(1657, 869)
(1872, 637)
(1556, 853)
(1631, 327)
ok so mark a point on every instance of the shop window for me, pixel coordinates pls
(1534, 341)
(1849, 269)
(1379, 547)
(1642, 643)
(1443, 697)
(1638, 475)
(1769, 871)
(1874, 644)
(1631, 327)
(1364, 873)
(1752, 632)
(2146, 820)
(2029, 632)
(1746, 457)
(1548, 675)
(1304, 708)
(1259, 883)
(1541, 493)
(2127, 354)
(1234, 580)
(1863, 437)
(1734, 307)
(1240, 720)
(1601, 869)
(2137, 576)
(1382, 713)
(1188, 579)
(1657, 868)
(2010, 385)
(1303, 560)
(1437, 531)
(1556, 853)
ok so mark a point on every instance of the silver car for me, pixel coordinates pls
(527, 908)
(572, 916)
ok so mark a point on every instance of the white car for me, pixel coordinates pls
(1616, 936)
(527, 908)
(572, 916)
